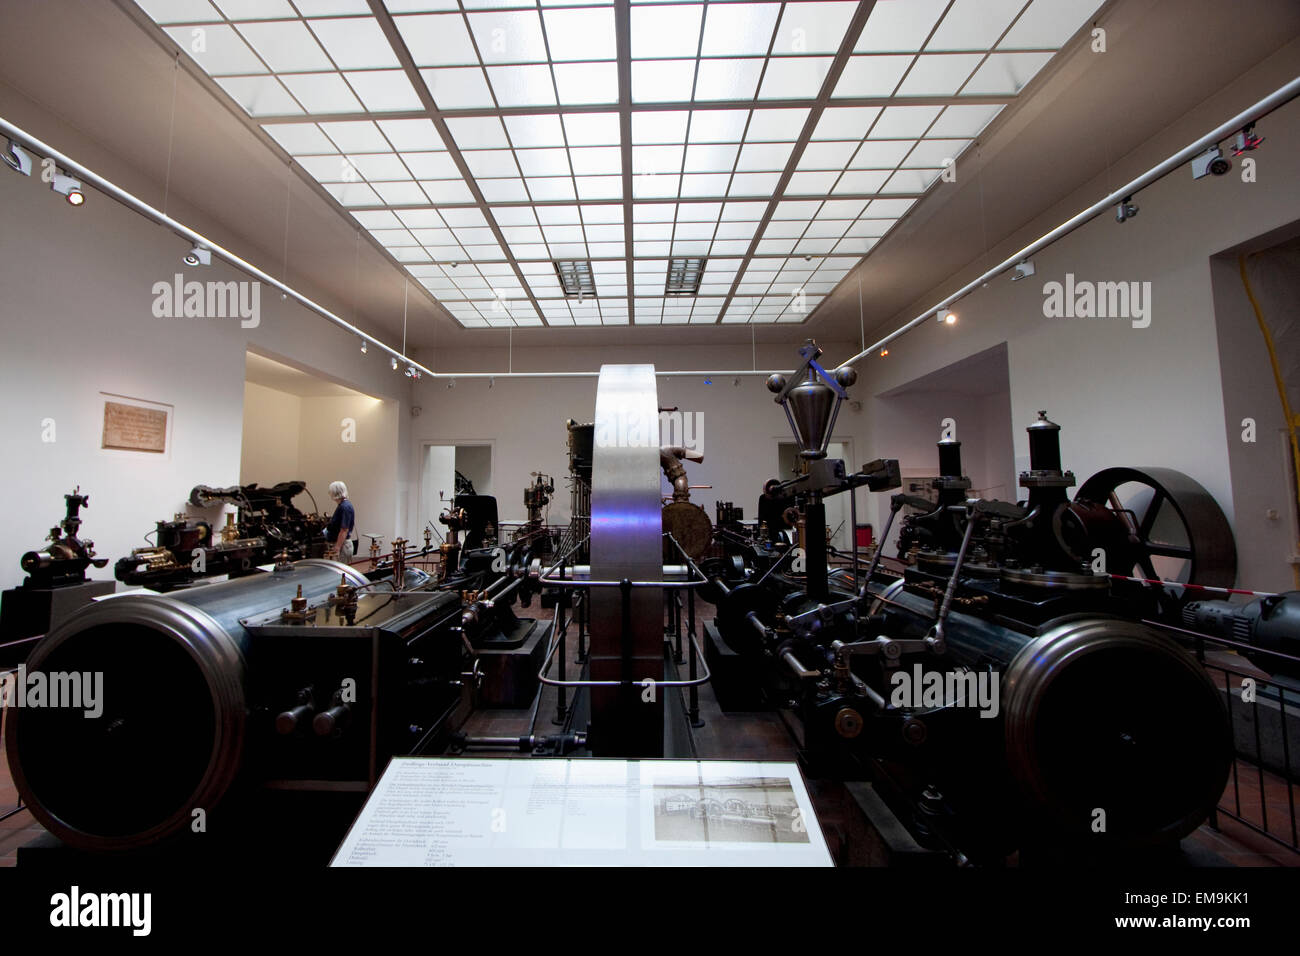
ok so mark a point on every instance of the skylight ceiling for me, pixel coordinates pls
(481, 141)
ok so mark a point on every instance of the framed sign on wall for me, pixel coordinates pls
(135, 425)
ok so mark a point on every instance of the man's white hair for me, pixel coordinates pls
(338, 489)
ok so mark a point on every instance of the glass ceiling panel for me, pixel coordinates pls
(525, 97)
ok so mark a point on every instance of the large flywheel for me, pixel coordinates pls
(1176, 530)
(626, 545)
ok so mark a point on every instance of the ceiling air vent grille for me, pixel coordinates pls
(684, 276)
(575, 277)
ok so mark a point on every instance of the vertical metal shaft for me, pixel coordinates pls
(694, 710)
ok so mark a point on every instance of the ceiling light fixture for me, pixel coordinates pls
(394, 364)
(1023, 270)
(198, 256)
(946, 316)
(18, 159)
(363, 346)
(1210, 161)
(68, 187)
(1126, 209)
(884, 352)
(1247, 141)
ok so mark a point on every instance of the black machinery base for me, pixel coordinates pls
(510, 665)
(27, 612)
(736, 683)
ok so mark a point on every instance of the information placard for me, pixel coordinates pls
(134, 428)
(468, 811)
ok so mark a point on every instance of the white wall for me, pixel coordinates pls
(367, 465)
(437, 486)
(269, 446)
(1263, 489)
(1124, 395)
(525, 418)
(475, 463)
(76, 320)
(909, 426)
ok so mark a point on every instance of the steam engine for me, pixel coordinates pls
(1002, 692)
(186, 548)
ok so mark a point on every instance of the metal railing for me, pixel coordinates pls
(672, 586)
(1264, 723)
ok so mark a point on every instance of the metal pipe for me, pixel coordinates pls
(581, 572)
(1278, 97)
(952, 581)
(113, 191)
(551, 682)
(894, 508)
(799, 670)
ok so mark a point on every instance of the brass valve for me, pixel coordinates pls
(297, 611)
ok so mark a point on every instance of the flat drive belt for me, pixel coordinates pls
(626, 544)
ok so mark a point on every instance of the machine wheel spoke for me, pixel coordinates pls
(1149, 516)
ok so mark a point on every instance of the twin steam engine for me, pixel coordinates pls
(999, 693)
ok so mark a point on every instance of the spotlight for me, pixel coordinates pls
(68, 187)
(1126, 210)
(451, 383)
(1210, 161)
(884, 352)
(1247, 141)
(394, 365)
(18, 159)
(364, 345)
(198, 256)
(1023, 270)
(946, 316)
(708, 380)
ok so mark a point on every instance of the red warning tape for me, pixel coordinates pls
(1195, 587)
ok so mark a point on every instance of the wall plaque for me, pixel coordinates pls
(133, 428)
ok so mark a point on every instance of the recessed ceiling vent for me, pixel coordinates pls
(575, 277)
(684, 276)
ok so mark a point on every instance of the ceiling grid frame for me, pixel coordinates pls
(846, 259)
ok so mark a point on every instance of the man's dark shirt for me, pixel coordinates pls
(344, 518)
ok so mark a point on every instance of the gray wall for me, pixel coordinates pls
(1125, 395)
(76, 320)
(1263, 486)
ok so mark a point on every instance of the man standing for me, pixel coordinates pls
(339, 532)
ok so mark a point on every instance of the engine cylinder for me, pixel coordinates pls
(171, 733)
(1100, 714)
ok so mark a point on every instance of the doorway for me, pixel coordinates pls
(837, 506)
(449, 470)
(969, 400)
